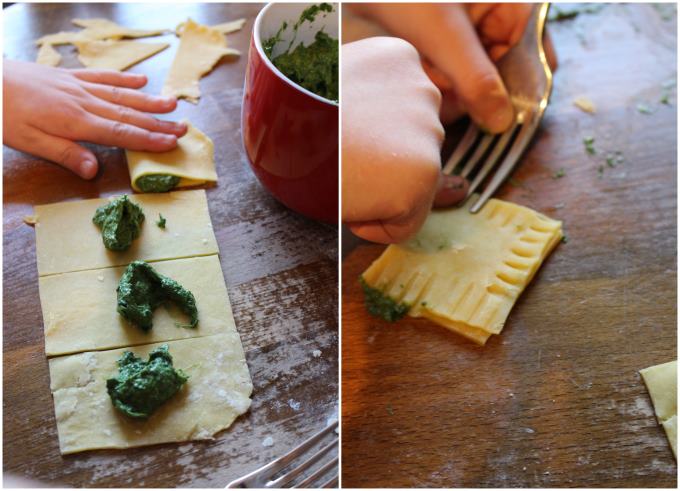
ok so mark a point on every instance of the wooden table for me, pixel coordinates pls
(280, 269)
(556, 399)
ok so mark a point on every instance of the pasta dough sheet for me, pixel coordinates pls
(87, 320)
(193, 160)
(67, 240)
(47, 55)
(217, 392)
(96, 29)
(465, 271)
(115, 55)
(224, 27)
(200, 48)
(662, 384)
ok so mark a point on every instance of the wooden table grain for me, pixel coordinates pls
(280, 269)
(555, 400)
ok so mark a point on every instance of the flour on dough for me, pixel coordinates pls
(217, 392)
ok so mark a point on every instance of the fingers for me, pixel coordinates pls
(63, 152)
(117, 134)
(450, 191)
(133, 98)
(111, 77)
(136, 118)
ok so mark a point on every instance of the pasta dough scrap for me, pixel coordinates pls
(88, 319)
(193, 160)
(115, 55)
(200, 48)
(224, 27)
(96, 29)
(465, 271)
(67, 240)
(662, 384)
(217, 392)
(47, 55)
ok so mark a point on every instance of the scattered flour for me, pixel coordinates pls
(294, 405)
(316, 353)
(268, 442)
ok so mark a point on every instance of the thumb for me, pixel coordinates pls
(66, 153)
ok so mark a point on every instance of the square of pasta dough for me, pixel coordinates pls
(87, 320)
(217, 392)
(662, 385)
(67, 240)
(465, 271)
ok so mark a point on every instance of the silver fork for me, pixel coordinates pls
(325, 476)
(528, 78)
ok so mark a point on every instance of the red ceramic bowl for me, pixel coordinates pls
(291, 134)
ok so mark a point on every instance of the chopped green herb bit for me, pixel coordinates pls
(644, 108)
(665, 99)
(589, 143)
(600, 171)
(161, 221)
(516, 183)
(389, 410)
(559, 174)
(380, 305)
(424, 304)
(565, 239)
(141, 387)
(610, 160)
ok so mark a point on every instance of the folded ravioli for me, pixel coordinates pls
(662, 384)
(465, 271)
(193, 161)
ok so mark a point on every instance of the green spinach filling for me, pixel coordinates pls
(314, 67)
(141, 289)
(157, 183)
(141, 387)
(380, 305)
(120, 221)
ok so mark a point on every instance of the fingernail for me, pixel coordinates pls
(88, 168)
(495, 112)
(168, 139)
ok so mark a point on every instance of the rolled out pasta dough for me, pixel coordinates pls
(662, 384)
(67, 240)
(115, 55)
(218, 390)
(85, 318)
(193, 160)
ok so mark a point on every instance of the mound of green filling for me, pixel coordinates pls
(141, 386)
(120, 221)
(380, 305)
(314, 67)
(157, 183)
(141, 289)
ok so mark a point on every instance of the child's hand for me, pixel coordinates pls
(459, 43)
(47, 109)
(391, 136)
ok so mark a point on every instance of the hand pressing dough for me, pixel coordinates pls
(85, 319)
(466, 271)
(218, 390)
(47, 55)
(224, 27)
(200, 48)
(115, 55)
(96, 29)
(67, 240)
(662, 384)
(193, 160)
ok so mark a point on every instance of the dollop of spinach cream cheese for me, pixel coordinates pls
(141, 289)
(120, 221)
(141, 387)
(314, 67)
(380, 305)
(157, 183)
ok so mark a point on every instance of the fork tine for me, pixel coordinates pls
(265, 472)
(465, 144)
(491, 160)
(292, 474)
(312, 478)
(523, 138)
(477, 156)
